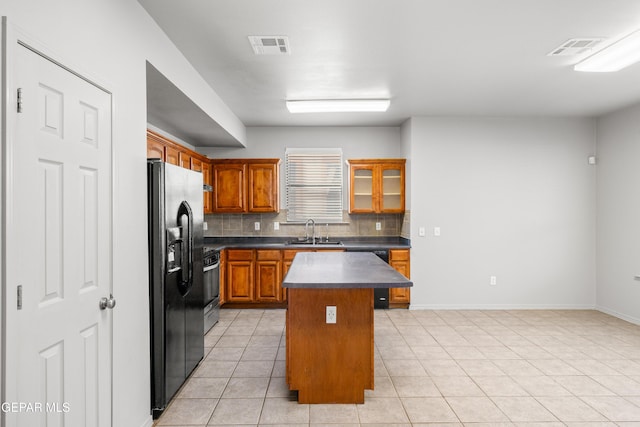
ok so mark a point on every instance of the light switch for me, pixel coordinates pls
(422, 232)
(436, 231)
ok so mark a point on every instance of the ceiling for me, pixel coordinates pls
(431, 57)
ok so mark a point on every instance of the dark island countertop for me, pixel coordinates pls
(342, 270)
(347, 243)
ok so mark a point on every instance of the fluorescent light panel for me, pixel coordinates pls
(338, 105)
(614, 57)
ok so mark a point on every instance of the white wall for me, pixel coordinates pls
(514, 198)
(356, 143)
(618, 212)
(109, 41)
(405, 149)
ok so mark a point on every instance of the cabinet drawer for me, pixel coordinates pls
(269, 255)
(240, 255)
(398, 255)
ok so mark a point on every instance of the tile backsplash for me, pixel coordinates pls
(243, 225)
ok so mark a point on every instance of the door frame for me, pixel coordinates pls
(11, 35)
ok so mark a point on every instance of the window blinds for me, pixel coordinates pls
(314, 184)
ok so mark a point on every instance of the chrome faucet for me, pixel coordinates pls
(306, 230)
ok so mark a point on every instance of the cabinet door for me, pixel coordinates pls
(263, 187)
(223, 277)
(229, 195)
(184, 160)
(172, 155)
(287, 259)
(268, 276)
(362, 195)
(391, 188)
(206, 179)
(240, 276)
(196, 164)
(155, 149)
(399, 259)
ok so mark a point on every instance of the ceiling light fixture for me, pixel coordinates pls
(614, 57)
(338, 105)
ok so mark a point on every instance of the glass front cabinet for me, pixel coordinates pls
(376, 185)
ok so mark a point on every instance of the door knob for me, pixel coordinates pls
(107, 302)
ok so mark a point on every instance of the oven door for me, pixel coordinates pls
(211, 282)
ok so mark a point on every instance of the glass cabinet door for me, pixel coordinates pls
(392, 198)
(362, 189)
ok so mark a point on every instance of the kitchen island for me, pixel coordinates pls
(329, 326)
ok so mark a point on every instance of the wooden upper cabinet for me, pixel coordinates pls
(376, 185)
(160, 147)
(207, 179)
(172, 155)
(155, 149)
(196, 164)
(184, 160)
(245, 185)
(229, 194)
(263, 187)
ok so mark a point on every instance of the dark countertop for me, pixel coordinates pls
(349, 243)
(342, 270)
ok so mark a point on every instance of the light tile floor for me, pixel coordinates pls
(500, 368)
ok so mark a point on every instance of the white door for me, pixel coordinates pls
(58, 252)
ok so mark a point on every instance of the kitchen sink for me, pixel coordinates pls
(318, 242)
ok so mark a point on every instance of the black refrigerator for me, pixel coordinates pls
(175, 205)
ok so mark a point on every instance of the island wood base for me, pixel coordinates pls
(330, 363)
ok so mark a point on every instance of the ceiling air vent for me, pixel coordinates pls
(575, 47)
(270, 45)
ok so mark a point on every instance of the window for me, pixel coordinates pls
(314, 184)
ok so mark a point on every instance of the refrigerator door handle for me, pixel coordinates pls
(185, 219)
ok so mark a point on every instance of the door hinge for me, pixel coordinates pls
(19, 97)
(19, 297)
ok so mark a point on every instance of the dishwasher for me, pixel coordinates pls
(380, 295)
(211, 263)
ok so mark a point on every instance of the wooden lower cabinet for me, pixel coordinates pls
(287, 259)
(254, 276)
(330, 363)
(240, 275)
(268, 276)
(400, 260)
(223, 277)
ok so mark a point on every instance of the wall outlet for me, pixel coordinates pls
(276, 225)
(205, 226)
(331, 314)
(256, 225)
(378, 226)
(493, 280)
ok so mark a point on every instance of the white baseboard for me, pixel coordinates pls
(619, 315)
(148, 422)
(614, 313)
(501, 307)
